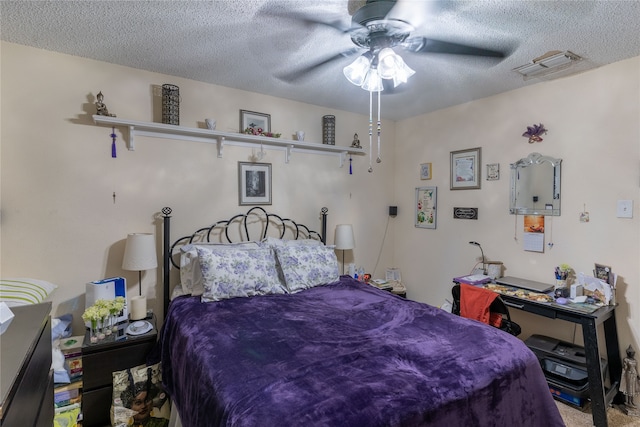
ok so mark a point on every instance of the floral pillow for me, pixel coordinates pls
(238, 273)
(304, 267)
(274, 242)
(190, 275)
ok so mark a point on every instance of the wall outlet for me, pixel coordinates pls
(625, 209)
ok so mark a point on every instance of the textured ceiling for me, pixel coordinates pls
(252, 44)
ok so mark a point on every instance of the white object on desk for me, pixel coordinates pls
(138, 328)
(393, 274)
(6, 316)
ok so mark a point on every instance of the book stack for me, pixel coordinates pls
(72, 350)
(67, 397)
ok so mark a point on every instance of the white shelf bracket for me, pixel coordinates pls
(287, 155)
(220, 146)
(342, 158)
(131, 146)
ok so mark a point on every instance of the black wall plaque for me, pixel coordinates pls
(465, 213)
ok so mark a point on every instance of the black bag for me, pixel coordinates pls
(497, 306)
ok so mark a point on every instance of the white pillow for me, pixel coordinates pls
(190, 275)
(304, 267)
(23, 291)
(274, 242)
(238, 273)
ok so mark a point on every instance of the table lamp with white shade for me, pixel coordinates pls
(139, 255)
(344, 239)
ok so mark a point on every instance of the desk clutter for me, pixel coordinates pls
(586, 295)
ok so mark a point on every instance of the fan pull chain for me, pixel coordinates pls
(350, 165)
(379, 160)
(370, 130)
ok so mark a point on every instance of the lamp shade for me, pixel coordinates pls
(140, 252)
(344, 237)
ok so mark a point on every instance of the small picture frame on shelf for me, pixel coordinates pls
(254, 183)
(425, 171)
(252, 119)
(493, 171)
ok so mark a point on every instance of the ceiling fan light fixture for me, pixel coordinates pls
(356, 72)
(388, 63)
(373, 82)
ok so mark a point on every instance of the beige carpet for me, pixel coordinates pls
(576, 418)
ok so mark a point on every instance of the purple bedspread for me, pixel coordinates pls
(346, 354)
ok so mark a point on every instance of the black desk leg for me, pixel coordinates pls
(594, 372)
(613, 359)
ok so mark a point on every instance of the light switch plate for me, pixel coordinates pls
(625, 209)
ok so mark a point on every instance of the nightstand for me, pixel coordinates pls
(116, 352)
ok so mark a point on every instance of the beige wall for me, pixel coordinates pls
(594, 126)
(59, 221)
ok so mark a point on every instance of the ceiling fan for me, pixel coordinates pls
(381, 24)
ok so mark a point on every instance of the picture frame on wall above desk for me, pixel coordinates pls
(465, 169)
(426, 207)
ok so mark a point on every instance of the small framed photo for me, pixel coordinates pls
(251, 119)
(254, 183)
(425, 171)
(493, 171)
(465, 169)
(426, 213)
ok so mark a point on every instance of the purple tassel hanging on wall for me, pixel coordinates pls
(113, 143)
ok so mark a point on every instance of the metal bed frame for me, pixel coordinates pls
(252, 225)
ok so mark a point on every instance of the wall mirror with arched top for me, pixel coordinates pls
(535, 186)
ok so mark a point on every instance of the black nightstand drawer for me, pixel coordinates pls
(98, 367)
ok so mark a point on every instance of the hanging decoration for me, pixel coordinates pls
(350, 164)
(534, 133)
(113, 143)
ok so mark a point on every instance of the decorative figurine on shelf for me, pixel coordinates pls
(630, 383)
(101, 109)
(356, 141)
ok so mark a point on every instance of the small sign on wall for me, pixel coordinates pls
(465, 213)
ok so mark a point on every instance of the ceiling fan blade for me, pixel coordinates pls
(296, 75)
(338, 22)
(426, 45)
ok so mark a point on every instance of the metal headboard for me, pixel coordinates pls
(256, 224)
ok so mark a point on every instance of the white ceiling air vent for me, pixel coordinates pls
(548, 63)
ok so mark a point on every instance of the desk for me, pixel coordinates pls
(600, 396)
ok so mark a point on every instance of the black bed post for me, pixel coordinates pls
(323, 212)
(166, 257)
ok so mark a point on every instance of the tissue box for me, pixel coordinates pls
(6, 316)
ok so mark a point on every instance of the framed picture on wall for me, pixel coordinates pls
(254, 183)
(251, 119)
(465, 169)
(425, 171)
(426, 213)
(493, 171)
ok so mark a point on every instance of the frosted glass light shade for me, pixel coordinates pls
(357, 71)
(344, 237)
(373, 82)
(140, 252)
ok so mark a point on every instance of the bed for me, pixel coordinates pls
(337, 353)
